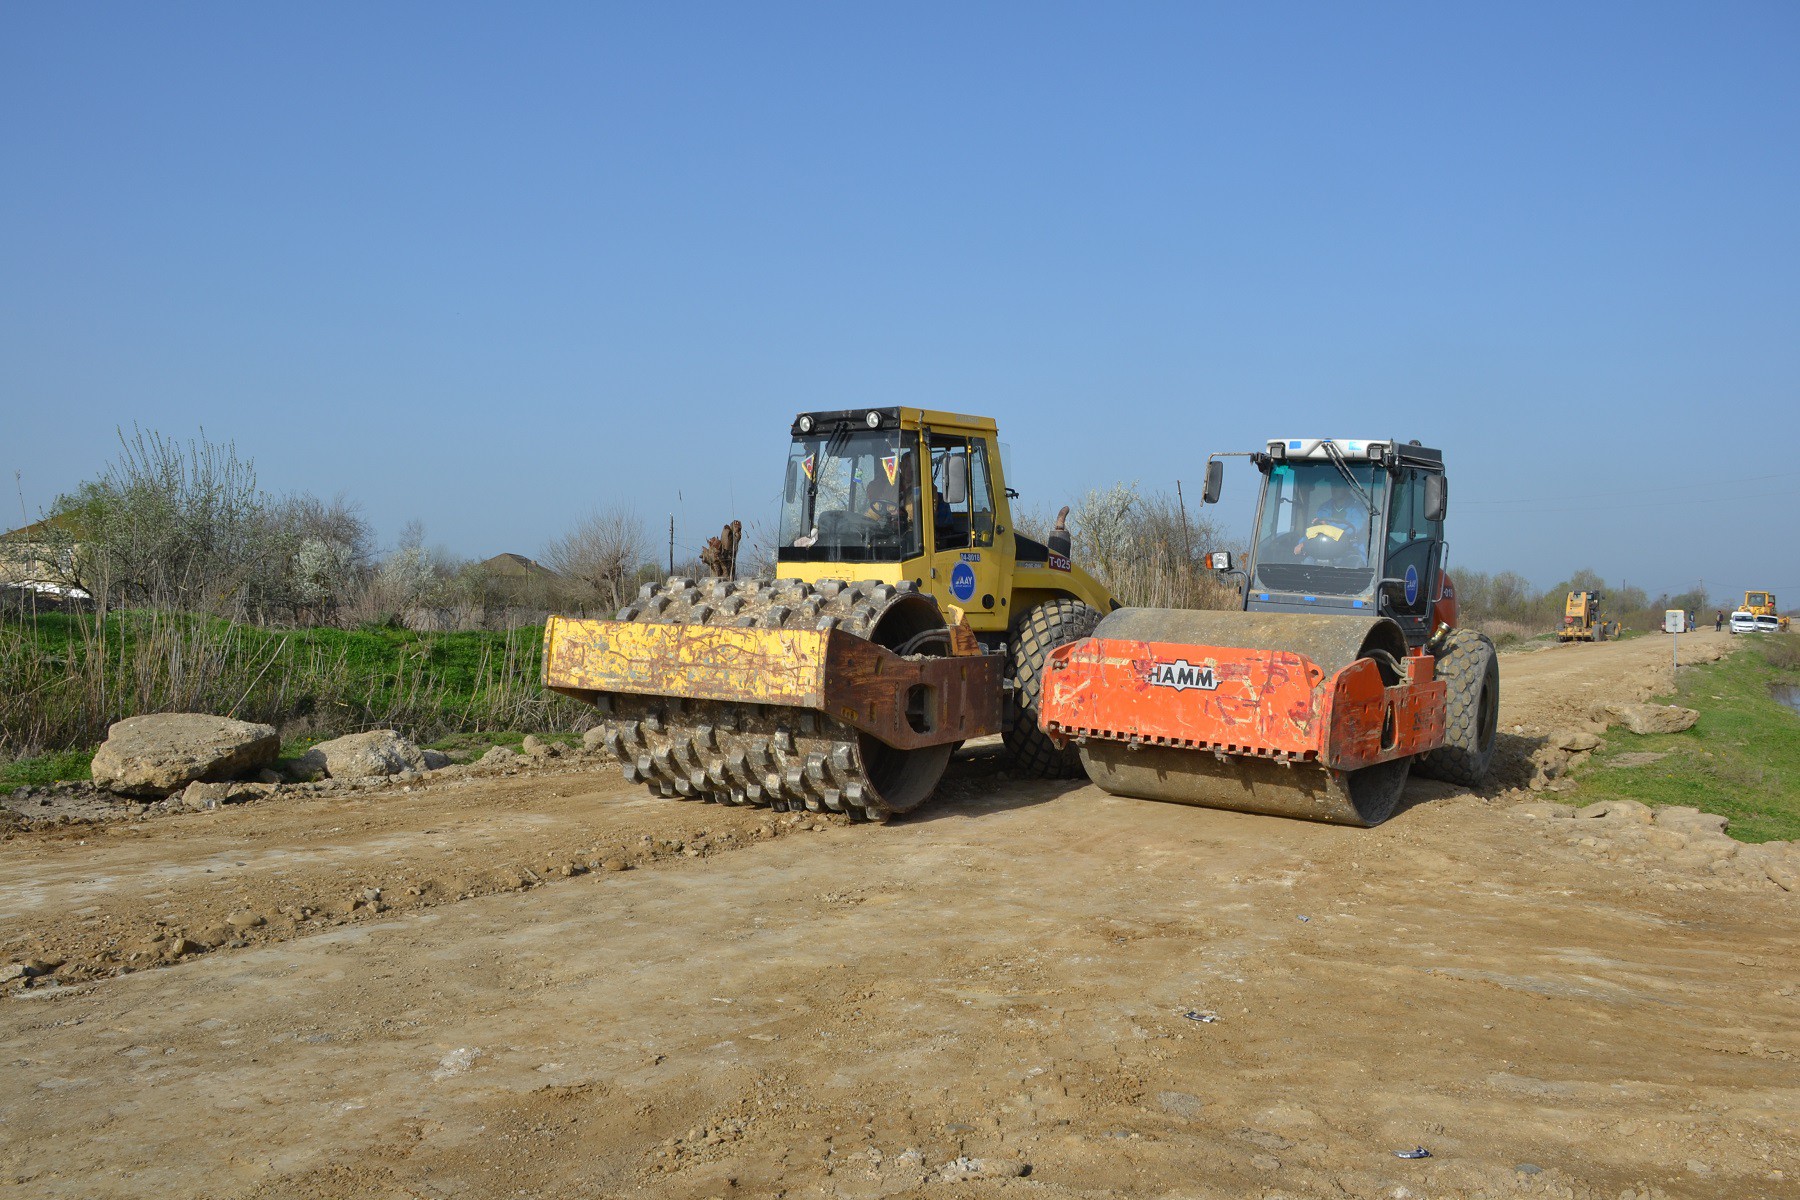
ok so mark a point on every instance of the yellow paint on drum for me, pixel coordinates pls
(703, 662)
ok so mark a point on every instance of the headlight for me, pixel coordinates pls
(806, 424)
(873, 420)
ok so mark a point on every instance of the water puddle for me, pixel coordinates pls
(1788, 694)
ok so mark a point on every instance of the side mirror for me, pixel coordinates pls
(1215, 482)
(1219, 560)
(1437, 497)
(956, 479)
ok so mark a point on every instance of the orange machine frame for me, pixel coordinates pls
(1271, 704)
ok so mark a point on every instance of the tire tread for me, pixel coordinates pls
(1049, 625)
(1468, 665)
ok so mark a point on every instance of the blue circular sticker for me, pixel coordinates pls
(962, 581)
(1412, 585)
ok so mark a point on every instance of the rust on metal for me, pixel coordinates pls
(907, 703)
(1264, 712)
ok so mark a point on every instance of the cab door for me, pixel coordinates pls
(1412, 556)
(966, 550)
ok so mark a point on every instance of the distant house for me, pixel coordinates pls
(513, 581)
(517, 566)
(44, 553)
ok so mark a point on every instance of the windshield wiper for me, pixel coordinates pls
(1337, 460)
(840, 436)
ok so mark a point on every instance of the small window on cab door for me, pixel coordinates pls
(981, 495)
(950, 490)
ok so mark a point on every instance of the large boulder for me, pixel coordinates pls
(1653, 718)
(360, 756)
(161, 754)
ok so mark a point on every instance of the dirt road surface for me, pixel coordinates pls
(554, 985)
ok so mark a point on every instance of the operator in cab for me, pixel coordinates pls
(1333, 534)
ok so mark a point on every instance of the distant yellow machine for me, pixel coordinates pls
(1762, 604)
(1583, 621)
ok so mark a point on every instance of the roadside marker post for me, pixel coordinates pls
(1674, 621)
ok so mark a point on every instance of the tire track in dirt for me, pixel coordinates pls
(998, 984)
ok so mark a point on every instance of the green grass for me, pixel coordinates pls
(45, 769)
(65, 678)
(1740, 760)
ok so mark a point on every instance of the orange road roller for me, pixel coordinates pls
(1343, 670)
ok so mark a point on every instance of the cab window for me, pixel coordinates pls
(981, 496)
(1411, 537)
(950, 491)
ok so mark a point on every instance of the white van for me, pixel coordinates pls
(1743, 621)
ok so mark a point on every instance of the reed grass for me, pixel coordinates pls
(64, 678)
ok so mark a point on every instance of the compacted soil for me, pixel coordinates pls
(551, 984)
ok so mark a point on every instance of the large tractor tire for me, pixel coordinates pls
(1049, 625)
(1471, 724)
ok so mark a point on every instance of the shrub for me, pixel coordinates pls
(64, 679)
(1146, 548)
(185, 526)
(601, 556)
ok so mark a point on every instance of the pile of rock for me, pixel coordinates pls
(171, 762)
(1676, 839)
(1567, 748)
(201, 761)
(534, 751)
(379, 752)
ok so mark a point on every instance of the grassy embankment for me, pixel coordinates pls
(1740, 760)
(64, 679)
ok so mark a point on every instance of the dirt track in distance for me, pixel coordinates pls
(991, 996)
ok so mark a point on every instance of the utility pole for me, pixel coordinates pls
(671, 545)
(1187, 541)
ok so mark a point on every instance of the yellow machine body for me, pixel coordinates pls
(1005, 582)
(1763, 604)
(1583, 621)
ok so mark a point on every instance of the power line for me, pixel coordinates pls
(1617, 493)
(1632, 506)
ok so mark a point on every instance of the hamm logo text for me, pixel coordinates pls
(1182, 675)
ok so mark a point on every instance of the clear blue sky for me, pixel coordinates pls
(488, 266)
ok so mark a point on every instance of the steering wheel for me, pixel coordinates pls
(1314, 551)
(1335, 552)
(885, 511)
(839, 526)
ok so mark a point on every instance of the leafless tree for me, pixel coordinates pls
(601, 554)
(1148, 550)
